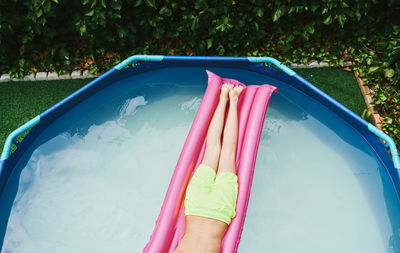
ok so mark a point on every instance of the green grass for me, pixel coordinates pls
(337, 83)
(21, 101)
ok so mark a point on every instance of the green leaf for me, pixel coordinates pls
(209, 43)
(39, 13)
(195, 23)
(341, 19)
(93, 4)
(165, 11)
(389, 73)
(259, 12)
(137, 3)
(309, 28)
(82, 29)
(358, 15)
(366, 114)
(373, 69)
(149, 3)
(90, 13)
(305, 36)
(256, 27)
(327, 20)
(56, 1)
(116, 4)
(221, 27)
(277, 15)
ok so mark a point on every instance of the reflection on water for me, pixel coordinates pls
(96, 179)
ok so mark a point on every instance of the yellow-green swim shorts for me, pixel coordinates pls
(212, 196)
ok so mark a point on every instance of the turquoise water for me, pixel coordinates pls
(95, 180)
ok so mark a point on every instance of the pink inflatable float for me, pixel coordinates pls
(253, 103)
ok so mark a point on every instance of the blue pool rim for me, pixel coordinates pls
(370, 133)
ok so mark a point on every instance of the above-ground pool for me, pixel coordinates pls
(91, 176)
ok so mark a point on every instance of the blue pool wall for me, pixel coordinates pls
(114, 75)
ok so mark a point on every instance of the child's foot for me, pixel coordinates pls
(226, 87)
(235, 93)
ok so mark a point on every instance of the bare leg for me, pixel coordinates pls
(227, 162)
(213, 142)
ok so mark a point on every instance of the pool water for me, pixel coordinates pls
(95, 179)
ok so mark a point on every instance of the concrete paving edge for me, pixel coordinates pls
(367, 92)
(40, 76)
(78, 74)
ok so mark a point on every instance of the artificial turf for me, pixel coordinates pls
(339, 84)
(22, 101)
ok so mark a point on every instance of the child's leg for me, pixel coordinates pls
(227, 162)
(213, 142)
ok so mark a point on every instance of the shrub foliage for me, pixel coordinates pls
(59, 35)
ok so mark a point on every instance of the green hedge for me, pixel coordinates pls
(58, 34)
(61, 35)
